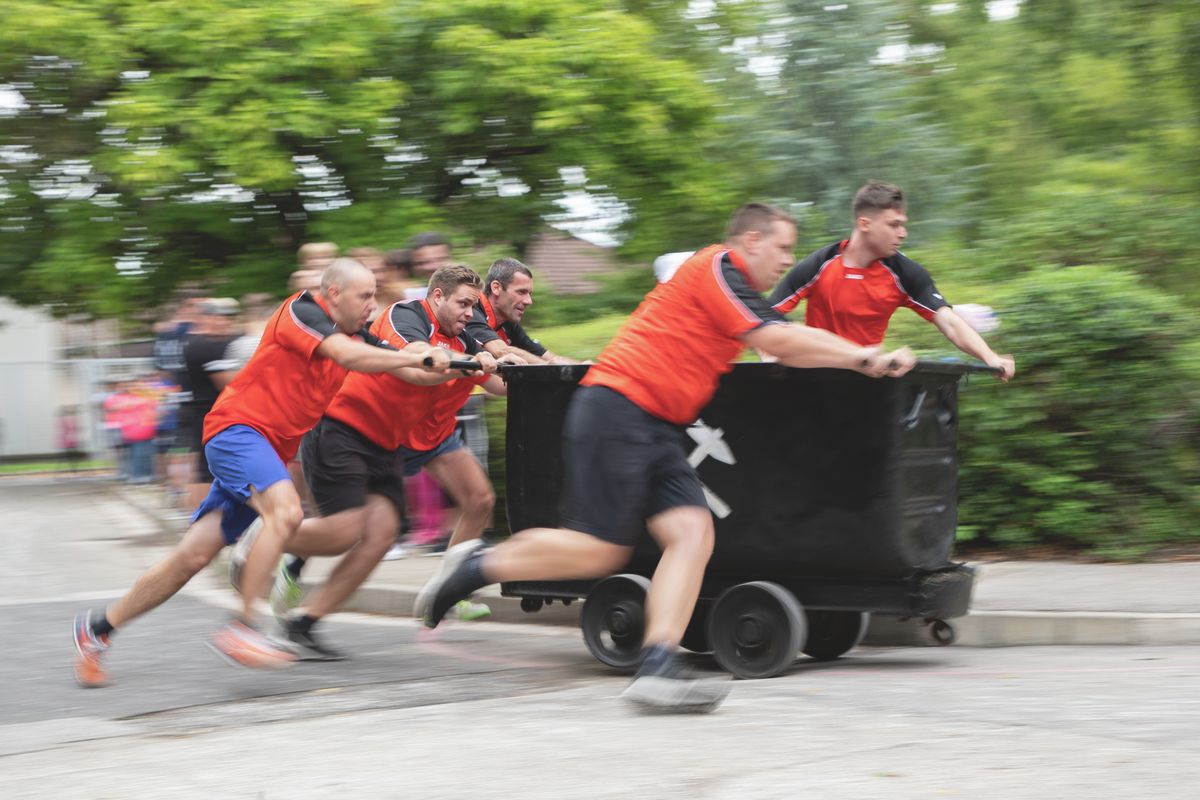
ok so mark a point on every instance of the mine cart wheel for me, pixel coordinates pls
(832, 633)
(756, 629)
(614, 620)
(695, 638)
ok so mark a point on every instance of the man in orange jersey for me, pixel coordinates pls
(507, 294)
(308, 347)
(378, 430)
(854, 286)
(625, 466)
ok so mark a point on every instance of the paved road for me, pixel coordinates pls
(523, 711)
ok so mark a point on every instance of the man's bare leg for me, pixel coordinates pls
(468, 486)
(329, 536)
(378, 532)
(279, 507)
(162, 581)
(685, 535)
(553, 554)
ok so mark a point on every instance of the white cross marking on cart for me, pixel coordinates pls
(710, 442)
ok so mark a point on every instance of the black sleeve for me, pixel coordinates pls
(521, 339)
(917, 283)
(373, 340)
(793, 287)
(745, 295)
(312, 316)
(478, 328)
(410, 322)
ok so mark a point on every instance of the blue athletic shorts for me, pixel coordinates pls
(240, 459)
(415, 459)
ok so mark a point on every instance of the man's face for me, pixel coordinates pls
(353, 304)
(769, 254)
(510, 303)
(884, 232)
(454, 311)
(427, 260)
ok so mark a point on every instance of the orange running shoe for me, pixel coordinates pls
(239, 644)
(89, 671)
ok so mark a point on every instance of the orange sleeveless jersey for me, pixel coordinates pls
(669, 355)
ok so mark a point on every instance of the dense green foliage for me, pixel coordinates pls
(1097, 443)
(1052, 160)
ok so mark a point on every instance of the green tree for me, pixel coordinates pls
(167, 141)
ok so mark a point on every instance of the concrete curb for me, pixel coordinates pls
(978, 629)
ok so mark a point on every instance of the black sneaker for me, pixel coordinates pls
(310, 647)
(667, 689)
(447, 585)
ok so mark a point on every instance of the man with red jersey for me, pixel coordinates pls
(309, 346)
(507, 293)
(625, 465)
(378, 430)
(853, 287)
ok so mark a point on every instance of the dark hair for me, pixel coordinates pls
(451, 276)
(503, 270)
(755, 217)
(877, 196)
(427, 239)
(399, 260)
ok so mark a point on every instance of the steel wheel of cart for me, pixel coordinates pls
(832, 633)
(756, 629)
(614, 620)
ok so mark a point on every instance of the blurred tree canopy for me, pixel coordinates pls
(1050, 150)
(164, 141)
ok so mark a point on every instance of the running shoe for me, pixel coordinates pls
(239, 644)
(430, 599)
(89, 669)
(286, 592)
(469, 612)
(395, 552)
(310, 646)
(240, 551)
(667, 689)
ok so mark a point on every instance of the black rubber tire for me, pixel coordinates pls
(756, 629)
(833, 633)
(614, 620)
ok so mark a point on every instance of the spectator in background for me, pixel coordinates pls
(138, 416)
(429, 252)
(312, 259)
(256, 310)
(68, 437)
(113, 403)
(210, 366)
(396, 280)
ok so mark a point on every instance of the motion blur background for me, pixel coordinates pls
(1050, 150)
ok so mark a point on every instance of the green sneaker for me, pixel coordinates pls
(286, 592)
(468, 611)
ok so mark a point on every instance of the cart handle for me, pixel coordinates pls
(468, 364)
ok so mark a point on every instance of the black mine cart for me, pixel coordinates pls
(834, 497)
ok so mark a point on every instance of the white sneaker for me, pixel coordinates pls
(396, 552)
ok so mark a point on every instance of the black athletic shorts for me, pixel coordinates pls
(622, 466)
(341, 467)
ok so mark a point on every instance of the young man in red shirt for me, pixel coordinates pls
(507, 293)
(378, 430)
(853, 287)
(309, 346)
(625, 465)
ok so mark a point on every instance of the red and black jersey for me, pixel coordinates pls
(392, 412)
(486, 327)
(283, 390)
(856, 303)
(669, 355)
